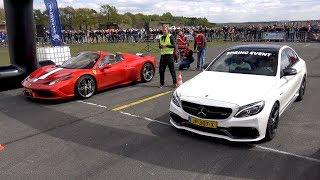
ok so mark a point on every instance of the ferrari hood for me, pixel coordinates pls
(49, 73)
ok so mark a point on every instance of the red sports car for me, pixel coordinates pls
(87, 73)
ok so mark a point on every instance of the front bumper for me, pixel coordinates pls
(247, 129)
(61, 91)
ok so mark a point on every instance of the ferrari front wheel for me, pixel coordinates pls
(85, 87)
(147, 72)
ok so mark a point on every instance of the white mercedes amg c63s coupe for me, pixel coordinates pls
(241, 94)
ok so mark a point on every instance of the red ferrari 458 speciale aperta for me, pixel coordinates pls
(88, 73)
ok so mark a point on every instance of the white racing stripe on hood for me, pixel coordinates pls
(48, 74)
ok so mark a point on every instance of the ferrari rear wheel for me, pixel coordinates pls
(147, 72)
(85, 87)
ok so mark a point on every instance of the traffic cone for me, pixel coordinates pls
(1, 147)
(179, 82)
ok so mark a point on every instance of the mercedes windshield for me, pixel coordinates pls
(256, 61)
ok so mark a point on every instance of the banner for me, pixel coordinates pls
(55, 26)
(274, 35)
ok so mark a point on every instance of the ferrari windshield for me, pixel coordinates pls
(85, 60)
(256, 61)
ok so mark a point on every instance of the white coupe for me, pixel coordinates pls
(241, 94)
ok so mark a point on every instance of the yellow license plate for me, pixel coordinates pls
(204, 123)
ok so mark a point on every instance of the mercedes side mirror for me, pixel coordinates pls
(289, 71)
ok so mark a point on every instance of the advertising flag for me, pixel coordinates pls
(54, 19)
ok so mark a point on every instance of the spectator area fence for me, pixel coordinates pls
(274, 36)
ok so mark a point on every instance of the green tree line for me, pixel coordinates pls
(86, 18)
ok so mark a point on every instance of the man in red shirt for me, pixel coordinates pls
(182, 43)
(200, 44)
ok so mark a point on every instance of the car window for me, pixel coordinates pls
(255, 61)
(284, 61)
(112, 59)
(109, 59)
(84, 60)
(119, 57)
(293, 58)
(104, 61)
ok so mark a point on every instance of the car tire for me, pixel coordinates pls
(85, 87)
(147, 72)
(302, 89)
(272, 123)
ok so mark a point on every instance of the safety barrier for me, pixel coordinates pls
(256, 36)
(300, 36)
(57, 54)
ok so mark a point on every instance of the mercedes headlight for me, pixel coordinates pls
(250, 109)
(176, 99)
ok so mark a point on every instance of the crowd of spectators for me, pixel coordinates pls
(3, 38)
(96, 36)
(227, 33)
(255, 32)
(241, 32)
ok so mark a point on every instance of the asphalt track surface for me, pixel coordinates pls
(92, 140)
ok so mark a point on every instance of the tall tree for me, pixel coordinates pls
(110, 13)
(40, 18)
(84, 18)
(167, 17)
(126, 19)
(67, 16)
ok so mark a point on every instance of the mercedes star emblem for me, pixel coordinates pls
(202, 112)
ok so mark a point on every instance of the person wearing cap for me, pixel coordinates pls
(167, 50)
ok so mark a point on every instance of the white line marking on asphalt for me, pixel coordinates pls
(307, 45)
(287, 153)
(168, 124)
(145, 118)
(93, 104)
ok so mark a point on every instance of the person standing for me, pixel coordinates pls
(200, 47)
(182, 44)
(167, 47)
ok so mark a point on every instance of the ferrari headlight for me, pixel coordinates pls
(176, 99)
(250, 109)
(60, 79)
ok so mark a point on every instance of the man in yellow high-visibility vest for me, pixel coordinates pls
(167, 49)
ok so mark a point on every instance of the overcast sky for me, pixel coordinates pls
(218, 11)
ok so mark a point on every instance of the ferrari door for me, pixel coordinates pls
(113, 71)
